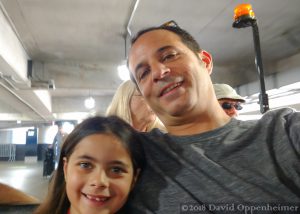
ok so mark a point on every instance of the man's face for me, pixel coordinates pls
(229, 106)
(170, 76)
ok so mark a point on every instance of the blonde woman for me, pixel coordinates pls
(130, 105)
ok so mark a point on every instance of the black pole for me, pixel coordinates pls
(248, 20)
(263, 96)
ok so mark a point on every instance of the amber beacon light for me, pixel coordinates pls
(245, 17)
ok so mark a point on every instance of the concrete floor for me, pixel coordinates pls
(27, 177)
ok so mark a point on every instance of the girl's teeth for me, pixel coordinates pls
(96, 198)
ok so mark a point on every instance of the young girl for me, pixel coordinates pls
(98, 166)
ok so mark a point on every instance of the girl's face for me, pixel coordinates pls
(98, 175)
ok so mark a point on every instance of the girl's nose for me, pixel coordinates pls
(100, 179)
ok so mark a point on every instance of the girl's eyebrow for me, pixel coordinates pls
(117, 162)
(87, 157)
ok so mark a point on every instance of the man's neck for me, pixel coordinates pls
(197, 124)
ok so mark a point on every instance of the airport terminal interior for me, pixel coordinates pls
(62, 61)
(25, 176)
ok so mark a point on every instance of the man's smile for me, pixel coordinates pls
(177, 82)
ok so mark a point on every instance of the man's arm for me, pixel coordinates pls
(293, 129)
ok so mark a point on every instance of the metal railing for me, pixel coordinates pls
(8, 150)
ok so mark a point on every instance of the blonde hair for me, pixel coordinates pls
(120, 105)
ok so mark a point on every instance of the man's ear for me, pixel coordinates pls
(207, 59)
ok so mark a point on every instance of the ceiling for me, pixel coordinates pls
(78, 45)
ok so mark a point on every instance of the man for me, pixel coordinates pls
(57, 143)
(207, 157)
(229, 100)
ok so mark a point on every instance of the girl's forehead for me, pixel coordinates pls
(100, 145)
(101, 150)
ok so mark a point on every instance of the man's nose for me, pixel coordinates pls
(99, 178)
(159, 71)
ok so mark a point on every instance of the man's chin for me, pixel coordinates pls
(176, 111)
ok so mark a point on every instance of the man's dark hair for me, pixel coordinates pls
(185, 37)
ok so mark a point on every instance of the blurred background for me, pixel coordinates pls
(61, 60)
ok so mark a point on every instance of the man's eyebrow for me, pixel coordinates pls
(164, 48)
(138, 67)
(161, 49)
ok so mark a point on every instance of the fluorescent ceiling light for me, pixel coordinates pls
(250, 117)
(79, 116)
(293, 86)
(284, 101)
(274, 102)
(68, 127)
(89, 103)
(45, 97)
(123, 72)
(284, 96)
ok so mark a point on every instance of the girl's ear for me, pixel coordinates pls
(135, 178)
(65, 166)
(207, 59)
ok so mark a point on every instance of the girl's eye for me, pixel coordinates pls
(85, 165)
(117, 170)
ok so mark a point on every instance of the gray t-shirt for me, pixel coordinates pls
(242, 162)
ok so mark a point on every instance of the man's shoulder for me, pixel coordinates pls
(153, 136)
(282, 118)
(281, 114)
(287, 116)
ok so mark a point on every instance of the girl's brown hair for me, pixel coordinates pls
(57, 201)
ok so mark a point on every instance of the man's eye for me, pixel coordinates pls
(169, 56)
(85, 165)
(144, 73)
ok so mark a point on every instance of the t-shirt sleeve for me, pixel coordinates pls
(293, 129)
